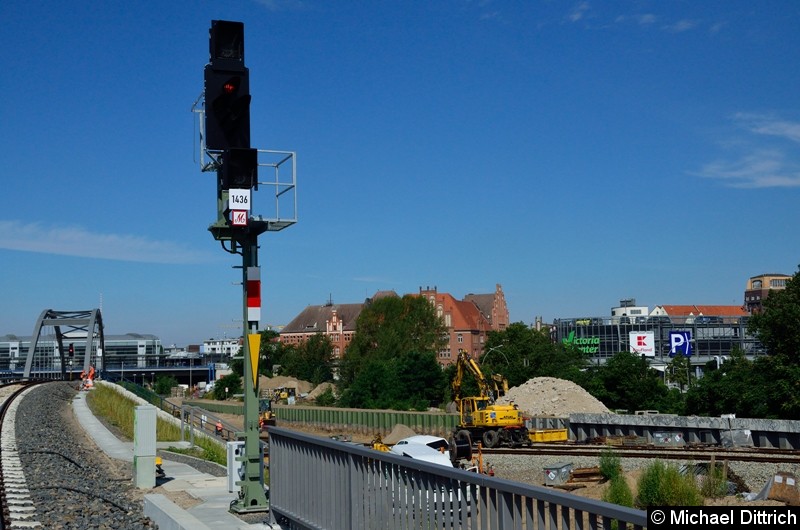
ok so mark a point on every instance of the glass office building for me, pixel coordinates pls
(659, 338)
(132, 349)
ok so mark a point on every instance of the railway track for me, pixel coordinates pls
(17, 509)
(697, 453)
(49, 476)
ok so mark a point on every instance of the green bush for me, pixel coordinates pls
(610, 464)
(231, 382)
(164, 385)
(618, 492)
(664, 485)
(326, 398)
(714, 483)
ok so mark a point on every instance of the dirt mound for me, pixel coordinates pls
(281, 381)
(549, 396)
(320, 389)
(398, 433)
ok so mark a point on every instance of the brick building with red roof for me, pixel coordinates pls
(468, 321)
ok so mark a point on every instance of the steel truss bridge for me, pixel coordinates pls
(48, 358)
(51, 354)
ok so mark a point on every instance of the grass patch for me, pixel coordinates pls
(664, 485)
(610, 466)
(212, 452)
(119, 411)
(715, 483)
(618, 492)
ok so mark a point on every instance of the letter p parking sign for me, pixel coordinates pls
(680, 343)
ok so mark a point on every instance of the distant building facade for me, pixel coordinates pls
(221, 348)
(335, 321)
(703, 333)
(467, 321)
(759, 287)
(132, 349)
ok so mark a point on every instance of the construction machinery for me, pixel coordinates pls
(266, 417)
(481, 419)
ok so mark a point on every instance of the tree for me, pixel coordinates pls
(278, 356)
(413, 381)
(164, 385)
(389, 327)
(762, 388)
(520, 353)
(391, 361)
(627, 382)
(371, 388)
(268, 351)
(420, 380)
(677, 371)
(777, 326)
(310, 361)
(768, 386)
(232, 382)
(236, 365)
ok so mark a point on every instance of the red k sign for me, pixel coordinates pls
(642, 343)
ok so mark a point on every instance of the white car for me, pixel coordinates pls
(430, 502)
(424, 447)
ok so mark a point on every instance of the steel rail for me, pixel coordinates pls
(653, 451)
(6, 520)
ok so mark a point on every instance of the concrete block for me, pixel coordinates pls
(169, 516)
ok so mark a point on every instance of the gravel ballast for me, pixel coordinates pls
(73, 484)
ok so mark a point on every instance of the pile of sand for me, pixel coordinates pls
(281, 381)
(320, 389)
(399, 432)
(549, 396)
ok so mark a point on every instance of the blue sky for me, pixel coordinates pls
(577, 153)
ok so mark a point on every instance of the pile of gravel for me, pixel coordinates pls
(549, 396)
(72, 483)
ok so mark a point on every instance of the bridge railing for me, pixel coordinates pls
(152, 398)
(323, 483)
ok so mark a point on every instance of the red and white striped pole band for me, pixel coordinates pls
(253, 294)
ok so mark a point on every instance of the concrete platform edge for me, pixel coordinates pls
(168, 515)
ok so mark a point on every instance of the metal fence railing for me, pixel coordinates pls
(322, 483)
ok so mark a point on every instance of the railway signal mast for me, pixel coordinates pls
(225, 150)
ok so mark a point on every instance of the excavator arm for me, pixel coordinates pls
(466, 363)
(500, 384)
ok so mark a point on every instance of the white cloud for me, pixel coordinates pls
(716, 28)
(681, 26)
(763, 164)
(769, 125)
(578, 11)
(765, 168)
(644, 19)
(79, 242)
(283, 5)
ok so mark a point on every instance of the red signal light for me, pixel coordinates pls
(230, 87)
(227, 105)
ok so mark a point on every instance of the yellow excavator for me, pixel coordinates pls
(266, 416)
(481, 419)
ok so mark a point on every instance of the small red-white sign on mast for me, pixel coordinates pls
(239, 217)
